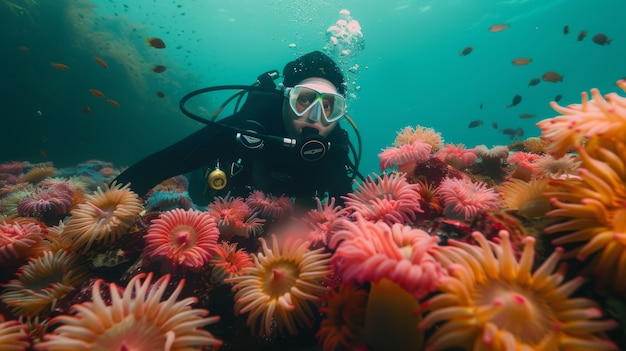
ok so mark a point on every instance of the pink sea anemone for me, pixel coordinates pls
(493, 301)
(185, 238)
(280, 291)
(369, 252)
(229, 262)
(322, 221)
(234, 217)
(136, 319)
(409, 134)
(464, 199)
(269, 206)
(405, 156)
(17, 241)
(457, 156)
(390, 198)
(47, 203)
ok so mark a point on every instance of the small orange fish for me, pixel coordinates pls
(156, 43)
(86, 110)
(582, 35)
(59, 66)
(498, 27)
(468, 50)
(521, 61)
(96, 92)
(101, 62)
(552, 77)
(158, 69)
(113, 102)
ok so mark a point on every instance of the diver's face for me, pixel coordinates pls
(294, 123)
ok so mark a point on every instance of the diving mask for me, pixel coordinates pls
(303, 99)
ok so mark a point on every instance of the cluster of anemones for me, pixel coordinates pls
(234, 217)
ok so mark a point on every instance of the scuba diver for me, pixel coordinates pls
(283, 141)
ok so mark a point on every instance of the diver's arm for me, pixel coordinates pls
(188, 154)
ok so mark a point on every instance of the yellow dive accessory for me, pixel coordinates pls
(217, 178)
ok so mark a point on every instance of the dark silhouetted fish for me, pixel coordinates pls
(475, 123)
(516, 100)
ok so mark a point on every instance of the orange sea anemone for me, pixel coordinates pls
(104, 217)
(136, 319)
(283, 288)
(42, 282)
(390, 198)
(593, 212)
(368, 252)
(39, 172)
(184, 238)
(344, 320)
(603, 116)
(526, 198)
(492, 301)
(17, 241)
(409, 134)
(13, 335)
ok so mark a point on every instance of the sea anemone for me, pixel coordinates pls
(322, 221)
(464, 199)
(48, 204)
(42, 282)
(524, 165)
(592, 210)
(165, 200)
(492, 301)
(526, 198)
(564, 166)
(17, 241)
(600, 116)
(39, 172)
(404, 157)
(229, 262)
(185, 238)
(457, 156)
(344, 318)
(13, 335)
(283, 286)
(103, 218)
(136, 319)
(234, 217)
(389, 198)
(409, 134)
(269, 206)
(369, 252)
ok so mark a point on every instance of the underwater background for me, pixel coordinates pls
(406, 67)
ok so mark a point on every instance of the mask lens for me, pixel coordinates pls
(302, 99)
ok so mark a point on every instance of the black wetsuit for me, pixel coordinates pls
(274, 169)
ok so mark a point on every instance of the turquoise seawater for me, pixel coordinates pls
(409, 68)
